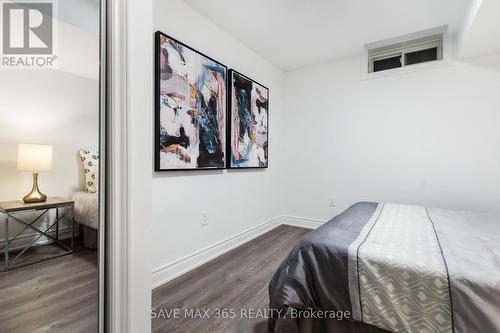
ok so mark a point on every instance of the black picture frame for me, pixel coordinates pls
(157, 127)
(229, 153)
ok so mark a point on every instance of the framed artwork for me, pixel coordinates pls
(190, 120)
(248, 122)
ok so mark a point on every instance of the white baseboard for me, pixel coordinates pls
(170, 271)
(301, 222)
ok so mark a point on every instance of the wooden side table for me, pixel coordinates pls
(11, 208)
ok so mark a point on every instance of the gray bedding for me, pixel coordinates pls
(396, 268)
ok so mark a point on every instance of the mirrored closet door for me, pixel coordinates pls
(50, 162)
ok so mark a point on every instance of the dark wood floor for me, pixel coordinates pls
(236, 280)
(58, 295)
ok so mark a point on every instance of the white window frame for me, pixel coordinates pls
(407, 44)
(402, 51)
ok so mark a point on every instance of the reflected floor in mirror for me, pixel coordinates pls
(57, 295)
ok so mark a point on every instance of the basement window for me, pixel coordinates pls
(407, 53)
(425, 55)
(388, 62)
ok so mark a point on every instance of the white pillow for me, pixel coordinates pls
(90, 161)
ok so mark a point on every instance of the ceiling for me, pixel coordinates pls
(483, 30)
(83, 14)
(293, 34)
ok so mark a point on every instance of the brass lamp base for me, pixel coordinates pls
(35, 195)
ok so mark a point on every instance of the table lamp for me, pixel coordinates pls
(34, 158)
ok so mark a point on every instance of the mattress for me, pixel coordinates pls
(86, 209)
(397, 268)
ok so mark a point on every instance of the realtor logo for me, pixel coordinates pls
(27, 28)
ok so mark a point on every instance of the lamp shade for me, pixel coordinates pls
(34, 157)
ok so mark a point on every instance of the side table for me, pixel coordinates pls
(11, 208)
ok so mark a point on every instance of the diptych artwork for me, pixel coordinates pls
(190, 108)
(249, 112)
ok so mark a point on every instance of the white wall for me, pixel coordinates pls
(57, 106)
(429, 138)
(235, 200)
(46, 107)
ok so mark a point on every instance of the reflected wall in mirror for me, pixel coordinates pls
(49, 143)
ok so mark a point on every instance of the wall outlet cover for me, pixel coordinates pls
(204, 217)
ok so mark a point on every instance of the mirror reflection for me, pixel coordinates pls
(49, 166)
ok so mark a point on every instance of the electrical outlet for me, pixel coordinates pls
(331, 202)
(204, 217)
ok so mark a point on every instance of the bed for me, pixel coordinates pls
(87, 214)
(87, 201)
(392, 268)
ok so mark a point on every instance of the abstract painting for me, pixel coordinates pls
(249, 122)
(190, 108)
